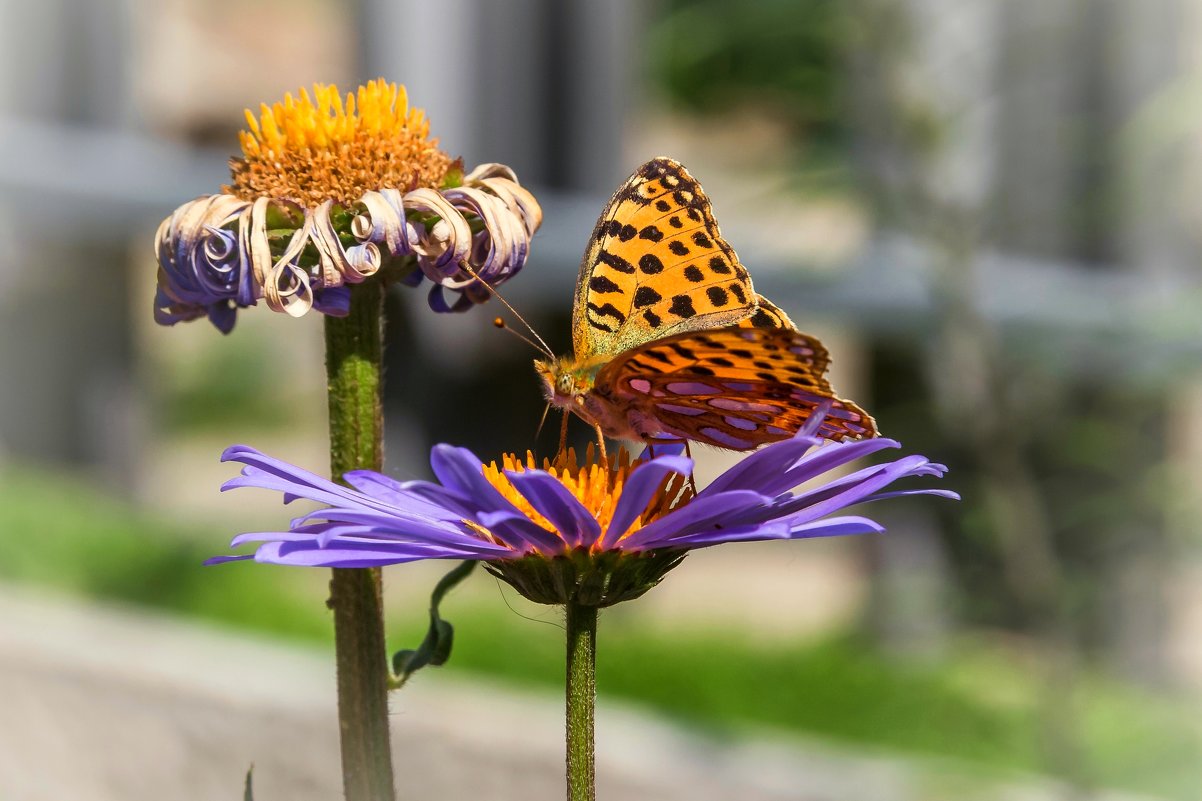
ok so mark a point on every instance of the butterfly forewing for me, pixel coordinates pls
(656, 266)
(736, 387)
(768, 315)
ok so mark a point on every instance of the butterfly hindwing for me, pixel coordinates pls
(736, 387)
(656, 265)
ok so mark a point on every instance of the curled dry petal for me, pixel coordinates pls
(215, 253)
(201, 268)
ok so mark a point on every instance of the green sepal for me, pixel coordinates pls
(436, 647)
(589, 579)
(454, 177)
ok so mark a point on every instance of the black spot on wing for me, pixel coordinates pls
(682, 306)
(762, 319)
(651, 234)
(693, 274)
(646, 296)
(615, 262)
(675, 222)
(633, 193)
(717, 296)
(601, 285)
(682, 351)
(662, 205)
(702, 241)
(719, 266)
(721, 361)
(678, 248)
(737, 291)
(701, 370)
(650, 264)
(655, 354)
(607, 310)
(654, 321)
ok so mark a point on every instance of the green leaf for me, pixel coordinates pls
(249, 794)
(436, 647)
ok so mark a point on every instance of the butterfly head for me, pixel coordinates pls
(565, 383)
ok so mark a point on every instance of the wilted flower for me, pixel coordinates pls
(328, 193)
(597, 532)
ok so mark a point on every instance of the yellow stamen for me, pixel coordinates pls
(597, 484)
(317, 148)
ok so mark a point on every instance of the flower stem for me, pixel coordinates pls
(354, 346)
(581, 700)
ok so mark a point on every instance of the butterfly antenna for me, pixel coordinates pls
(545, 348)
(500, 323)
(542, 421)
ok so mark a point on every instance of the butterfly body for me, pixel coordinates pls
(571, 385)
(671, 340)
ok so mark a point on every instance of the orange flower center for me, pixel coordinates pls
(596, 483)
(319, 147)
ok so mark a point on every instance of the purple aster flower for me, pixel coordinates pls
(329, 193)
(594, 532)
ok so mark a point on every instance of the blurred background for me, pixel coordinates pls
(989, 210)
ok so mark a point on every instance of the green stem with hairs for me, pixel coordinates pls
(354, 349)
(581, 700)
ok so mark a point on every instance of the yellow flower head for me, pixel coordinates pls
(597, 484)
(320, 147)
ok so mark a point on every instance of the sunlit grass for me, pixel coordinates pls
(980, 706)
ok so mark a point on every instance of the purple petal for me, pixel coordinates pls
(515, 526)
(416, 496)
(641, 486)
(344, 555)
(835, 527)
(700, 514)
(703, 539)
(785, 465)
(672, 447)
(938, 493)
(459, 470)
(267, 472)
(408, 528)
(554, 501)
(221, 560)
(802, 508)
(759, 466)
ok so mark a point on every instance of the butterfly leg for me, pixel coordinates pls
(563, 432)
(600, 441)
(689, 453)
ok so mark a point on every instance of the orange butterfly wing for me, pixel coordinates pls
(656, 265)
(737, 387)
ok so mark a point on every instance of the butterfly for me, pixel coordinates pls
(672, 342)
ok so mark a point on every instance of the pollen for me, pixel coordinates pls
(318, 147)
(596, 483)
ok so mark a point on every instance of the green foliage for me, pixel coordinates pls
(224, 382)
(781, 55)
(64, 534)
